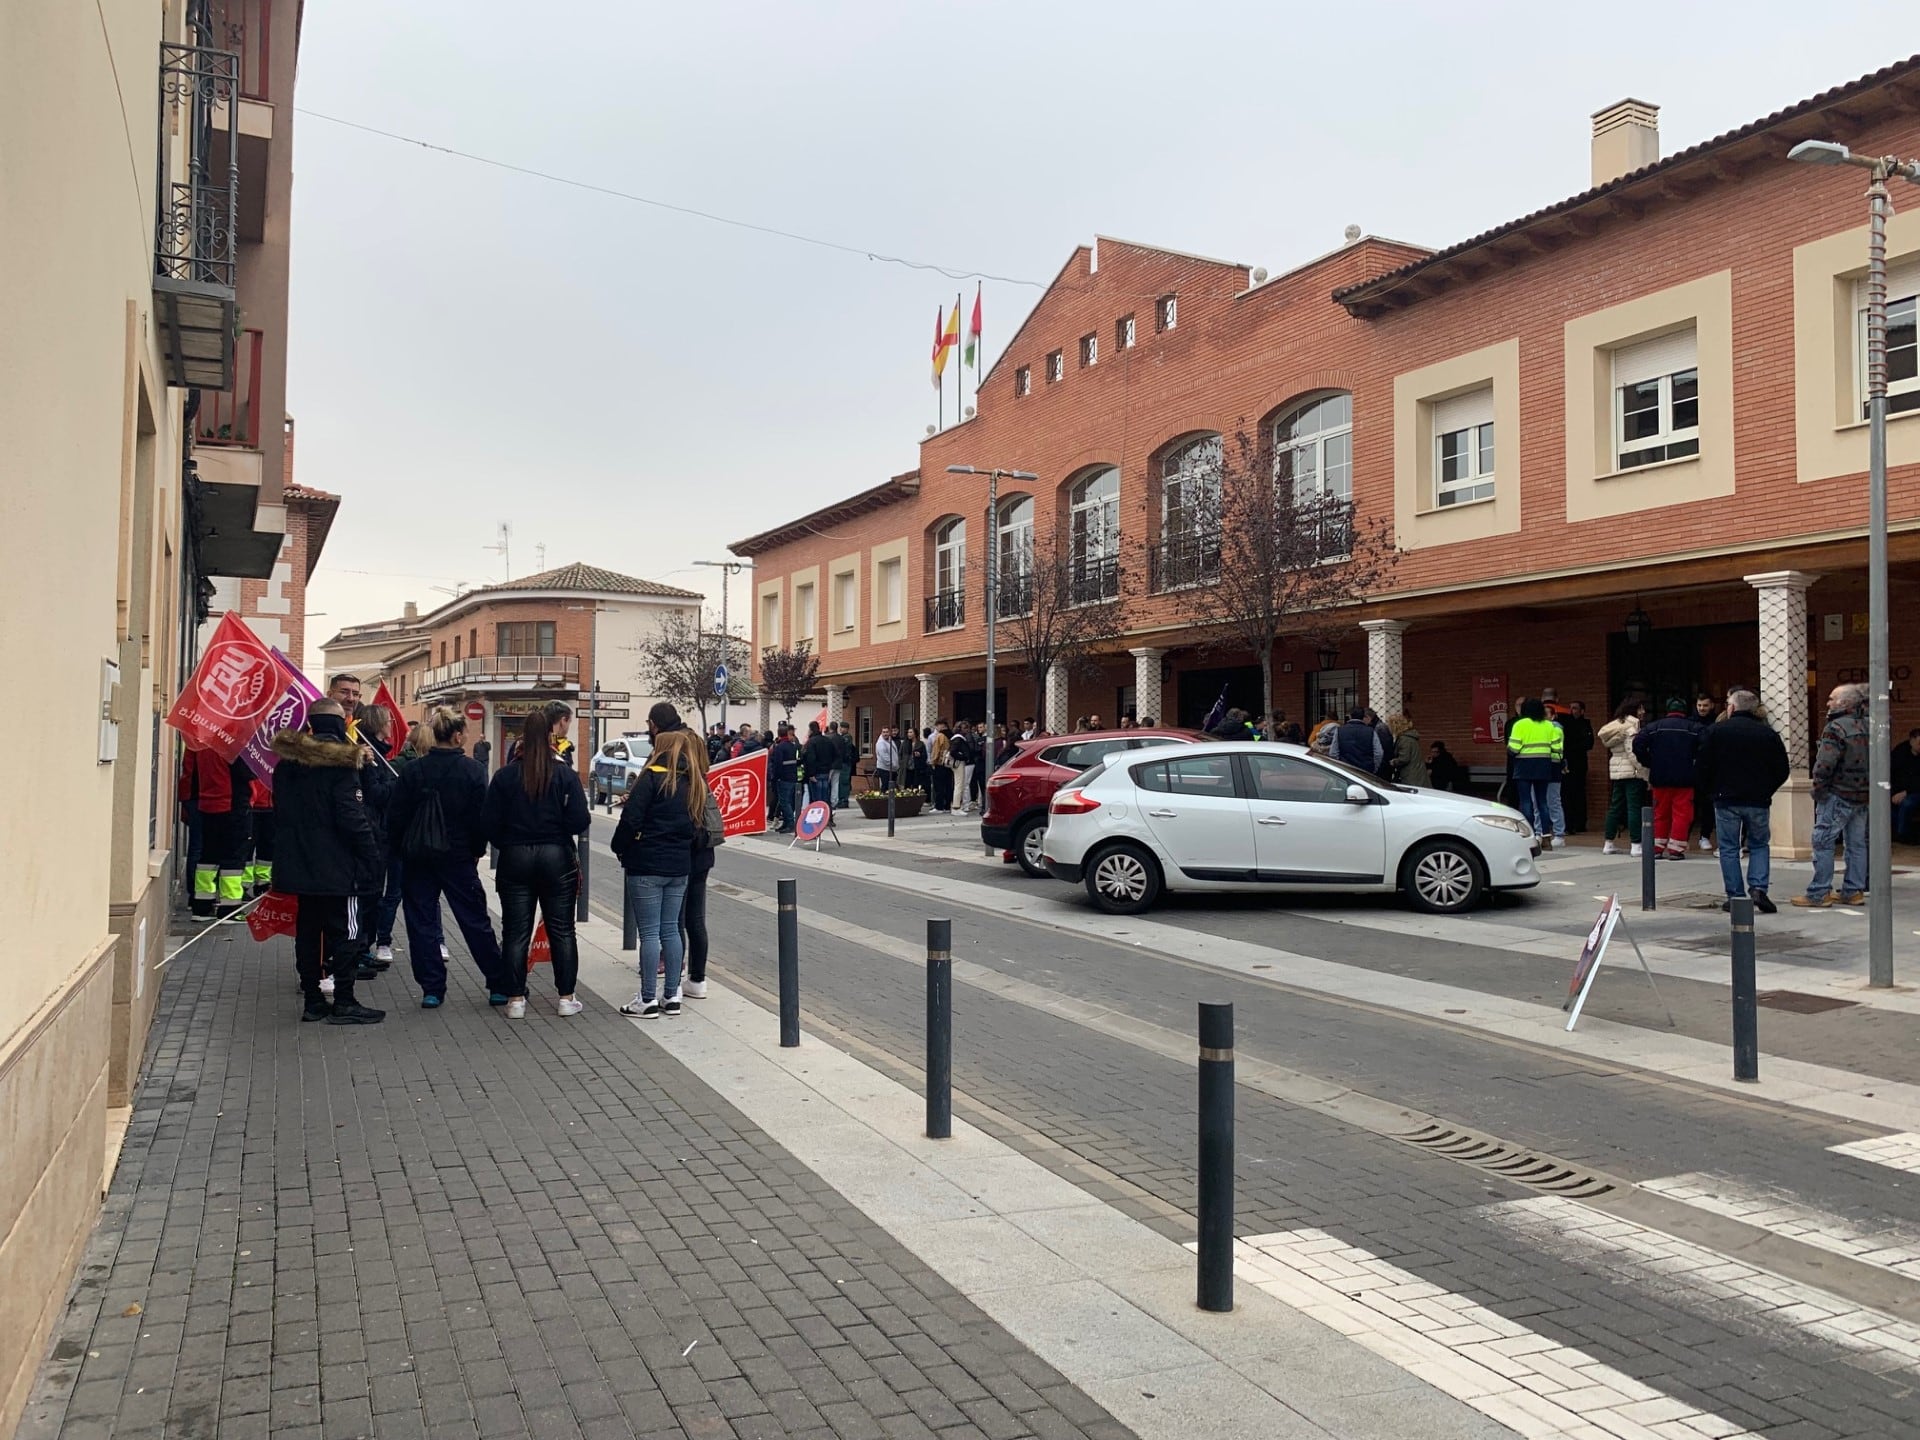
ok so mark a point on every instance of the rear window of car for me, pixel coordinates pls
(1196, 775)
(616, 752)
(1079, 754)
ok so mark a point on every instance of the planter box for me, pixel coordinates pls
(874, 807)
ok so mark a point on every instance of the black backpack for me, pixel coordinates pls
(426, 837)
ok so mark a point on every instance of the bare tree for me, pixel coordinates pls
(898, 683)
(1285, 558)
(789, 676)
(1060, 603)
(677, 662)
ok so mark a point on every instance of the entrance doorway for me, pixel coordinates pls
(1682, 663)
(1199, 690)
(1331, 694)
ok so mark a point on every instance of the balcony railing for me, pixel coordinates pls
(1016, 594)
(478, 670)
(946, 610)
(233, 417)
(1328, 534)
(194, 237)
(1179, 562)
(1093, 580)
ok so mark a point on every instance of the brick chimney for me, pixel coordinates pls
(1626, 137)
(410, 612)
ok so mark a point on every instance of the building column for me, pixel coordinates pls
(929, 699)
(1146, 683)
(1783, 691)
(837, 703)
(766, 713)
(1059, 719)
(1386, 683)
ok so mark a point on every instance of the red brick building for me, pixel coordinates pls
(1619, 442)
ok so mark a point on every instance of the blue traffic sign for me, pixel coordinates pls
(720, 679)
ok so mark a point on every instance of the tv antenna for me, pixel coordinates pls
(500, 549)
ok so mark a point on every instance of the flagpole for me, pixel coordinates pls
(959, 370)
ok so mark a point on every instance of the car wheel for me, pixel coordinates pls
(1443, 877)
(1123, 880)
(1030, 845)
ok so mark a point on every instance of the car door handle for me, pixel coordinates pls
(1270, 820)
(1164, 814)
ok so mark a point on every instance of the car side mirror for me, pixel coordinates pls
(1359, 795)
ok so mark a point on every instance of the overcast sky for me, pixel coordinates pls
(635, 388)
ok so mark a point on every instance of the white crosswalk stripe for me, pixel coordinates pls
(1695, 1277)
(1896, 1152)
(1888, 1244)
(1535, 1386)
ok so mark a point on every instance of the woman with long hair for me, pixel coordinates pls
(443, 859)
(1537, 748)
(534, 809)
(1626, 776)
(665, 807)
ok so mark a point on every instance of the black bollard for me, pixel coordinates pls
(889, 813)
(586, 876)
(1647, 859)
(939, 1029)
(789, 964)
(1746, 1017)
(1216, 1157)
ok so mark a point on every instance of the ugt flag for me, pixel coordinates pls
(230, 692)
(289, 712)
(740, 790)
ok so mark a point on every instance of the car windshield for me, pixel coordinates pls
(1356, 773)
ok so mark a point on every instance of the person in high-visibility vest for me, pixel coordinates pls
(1538, 748)
(220, 791)
(259, 868)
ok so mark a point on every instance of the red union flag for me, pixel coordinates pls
(740, 790)
(232, 688)
(274, 915)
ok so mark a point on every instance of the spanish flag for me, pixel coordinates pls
(944, 342)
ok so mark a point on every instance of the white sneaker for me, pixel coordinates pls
(1705, 844)
(326, 984)
(1634, 849)
(1609, 848)
(443, 952)
(1559, 842)
(383, 953)
(641, 1008)
(570, 1006)
(517, 1008)
(695, 990)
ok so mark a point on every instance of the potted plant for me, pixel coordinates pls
(906, 803)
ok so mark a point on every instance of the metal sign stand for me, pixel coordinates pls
(1587, 970)
(815, 839)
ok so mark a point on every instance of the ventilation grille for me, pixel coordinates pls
(1523, 1167)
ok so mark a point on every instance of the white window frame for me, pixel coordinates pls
(1468, 420)
(1166, 312)
(1903, 289)
(1315, 443)
(846, 599)
(1090, 350)
(1023, 381)
(806, 611)
(950, 560)
(1013, 533)
(892, 599)
(1669, 437)
(1127, 332)
(1093, 521)
(770, 636)
(1056, 367)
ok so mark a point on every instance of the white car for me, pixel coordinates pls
(1264, 817)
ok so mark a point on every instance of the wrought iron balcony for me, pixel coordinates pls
(477, 671)
(1093, 580)
(946, 610)
(194, 267)
(1180, 562)
(1016, 594)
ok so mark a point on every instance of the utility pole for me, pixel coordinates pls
(728, 569)
(994, 477)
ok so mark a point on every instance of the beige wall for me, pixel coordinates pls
(91, 474)
(619, 630)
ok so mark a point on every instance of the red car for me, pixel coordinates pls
(1015, 819)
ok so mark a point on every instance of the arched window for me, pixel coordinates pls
(1093, 528)
(1313, 452)
(1013, 540)
(946, 607)
(1189, 552)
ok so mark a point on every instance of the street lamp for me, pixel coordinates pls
(728, 569)
(1879, 680)
(994, 477)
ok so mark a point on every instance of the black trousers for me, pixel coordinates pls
(457, 878)
(330, 930)
(548, 875)
(693, 924)
(942, 787)
(1573, 799)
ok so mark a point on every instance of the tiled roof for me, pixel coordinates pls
(294, 490)
(1368, 296)
(591, 577)
(900, 487)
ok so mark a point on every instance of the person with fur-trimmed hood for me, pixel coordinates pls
(326, 854)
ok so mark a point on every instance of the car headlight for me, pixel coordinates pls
(1512, 823)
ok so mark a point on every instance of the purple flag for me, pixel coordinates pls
(288, 713)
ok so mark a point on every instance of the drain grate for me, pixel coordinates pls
(1796, 1002)
(1523, 1167)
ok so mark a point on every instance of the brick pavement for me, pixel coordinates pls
(453, 1226)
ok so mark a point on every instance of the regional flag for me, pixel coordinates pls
(397, 723)
(945, 344)
(972, 354)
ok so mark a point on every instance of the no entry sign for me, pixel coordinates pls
(476, 712)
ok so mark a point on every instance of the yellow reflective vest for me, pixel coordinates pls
(1538, 748)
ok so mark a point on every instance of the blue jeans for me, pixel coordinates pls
(1532, 798)
(787, 793)
(1754, 822)
(1837, 819)
(1906, 815)
(1555, 808)
(820, 787)
(656, 901)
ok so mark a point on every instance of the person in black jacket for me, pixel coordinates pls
(377, 777)
(444, 778)
(783, 772)
(1742, 762)
(664, 809)
(846, 756)
(1669, 748)
(1357, 743)
(819, 755)
(533, 810)
(326, 854)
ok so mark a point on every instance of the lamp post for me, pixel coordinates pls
(994, 477)
(1879, 679)
(728, 569)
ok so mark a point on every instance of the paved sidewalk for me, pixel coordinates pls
(449, 1225)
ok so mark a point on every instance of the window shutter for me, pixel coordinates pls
(1460, 411)
(1903, 282)
(1650, 359)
